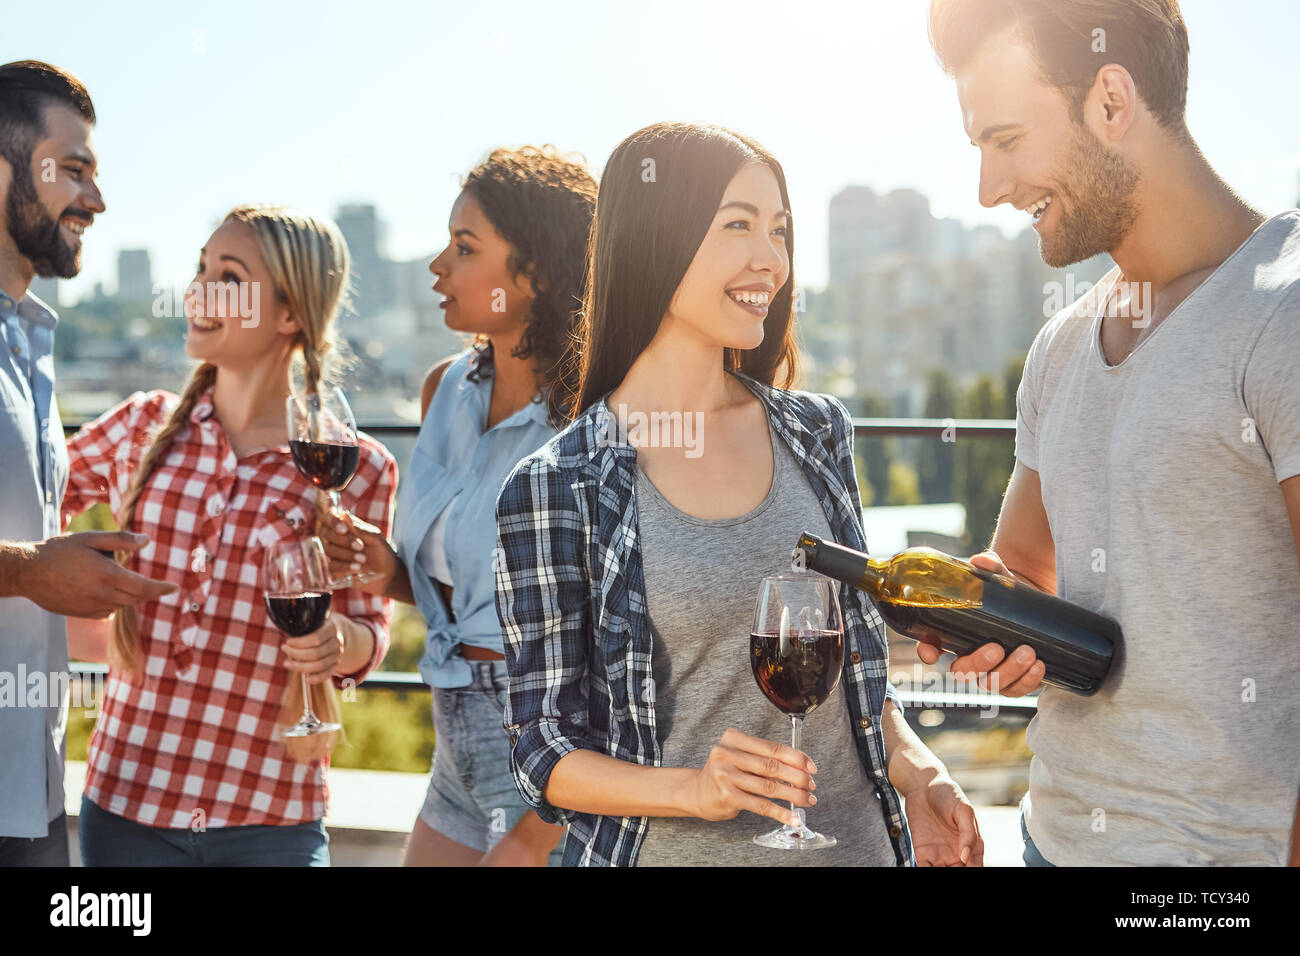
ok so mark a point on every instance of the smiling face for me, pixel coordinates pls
(47, 209)
(235, 318)
(480, 295)
(1034, 155)
(739, 266)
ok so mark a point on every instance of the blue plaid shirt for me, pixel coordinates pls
(571, 598)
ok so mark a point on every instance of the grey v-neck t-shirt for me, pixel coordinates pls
(702, 578)
(1160, 482)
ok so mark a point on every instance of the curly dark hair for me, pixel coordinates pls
(541, 202)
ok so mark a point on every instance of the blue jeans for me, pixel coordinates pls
(110, 840)
(472, 797)
(1031, 856)
(49, 850)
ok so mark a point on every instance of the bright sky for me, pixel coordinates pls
(205, 105)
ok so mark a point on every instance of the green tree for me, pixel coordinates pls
(875, 453)
(904, 488)
(935, 463)
(983, 465)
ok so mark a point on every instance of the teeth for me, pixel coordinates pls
(1039, 207)
(76, 225)
(205, 325)
(750, 298)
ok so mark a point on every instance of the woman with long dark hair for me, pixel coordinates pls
(511, 275)
(630, 563)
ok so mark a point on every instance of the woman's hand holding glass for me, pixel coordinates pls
(315, 655)
(749, 773)
(354, 546)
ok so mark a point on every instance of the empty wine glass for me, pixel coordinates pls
(295, 576)
(796, 650)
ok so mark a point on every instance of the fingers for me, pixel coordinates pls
(989, 561)
(735, 740)
(111, 540)
(928, 652)
(769, 768)
(1030, 682)
(772, 789)
(968, 836)
(135, 588)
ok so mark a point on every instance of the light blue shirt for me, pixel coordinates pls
(33, 477)
(457, 456)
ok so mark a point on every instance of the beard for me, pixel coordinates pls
(1098, 187)
(35, 234)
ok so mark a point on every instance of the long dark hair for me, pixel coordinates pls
(658, 195)
(542, 203)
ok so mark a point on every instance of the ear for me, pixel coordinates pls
(1111, 106)
(287, 323)
(524, 280)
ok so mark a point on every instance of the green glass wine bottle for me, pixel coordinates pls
(933, 597)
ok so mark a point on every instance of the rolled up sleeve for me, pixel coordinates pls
(543, 602)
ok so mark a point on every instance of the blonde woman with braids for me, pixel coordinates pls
(186, 766)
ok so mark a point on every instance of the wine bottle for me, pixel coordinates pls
(933, 597)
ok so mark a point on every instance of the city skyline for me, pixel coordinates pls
(389, 106)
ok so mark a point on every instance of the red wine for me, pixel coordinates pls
(800, 673)
(327, 466)
(298, 614)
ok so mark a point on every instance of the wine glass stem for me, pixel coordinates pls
(307, 715)
(335, 507)
(796, 741)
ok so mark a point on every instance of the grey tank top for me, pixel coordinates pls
(702, 579)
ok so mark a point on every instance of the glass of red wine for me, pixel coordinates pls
(797, 652)
(295, 575)
(323, 442)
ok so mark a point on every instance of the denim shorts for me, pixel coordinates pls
(472, 796)
(1031, 856)
(110, 840)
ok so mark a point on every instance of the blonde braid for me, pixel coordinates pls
(308, 258)
(124, 648)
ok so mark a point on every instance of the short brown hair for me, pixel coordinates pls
(27, 88)
(1146, 37)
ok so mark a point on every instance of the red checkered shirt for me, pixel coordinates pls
(194, 739)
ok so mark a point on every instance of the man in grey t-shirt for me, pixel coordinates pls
(1157, 477)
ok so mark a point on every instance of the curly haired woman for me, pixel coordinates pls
(512, 274)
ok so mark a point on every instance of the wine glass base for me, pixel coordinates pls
(352, 580)
(308, 728)
(794, 838)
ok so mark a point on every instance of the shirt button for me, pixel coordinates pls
(864, 723)
(855, 658)
(194, 606)
(215, 506)
(18, 350)
(895, 831)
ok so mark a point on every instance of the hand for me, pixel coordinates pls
(1014, 676)
(529, 843)
(69, 575)
(315, 654)
(943, 825)
(742, 771)
(352, 545)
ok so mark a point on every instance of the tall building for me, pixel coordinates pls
(372, 279)
(134, 275)
(919, 293)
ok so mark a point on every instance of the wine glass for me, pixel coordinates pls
(797, 653)
(323, 442)
(295, 574)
